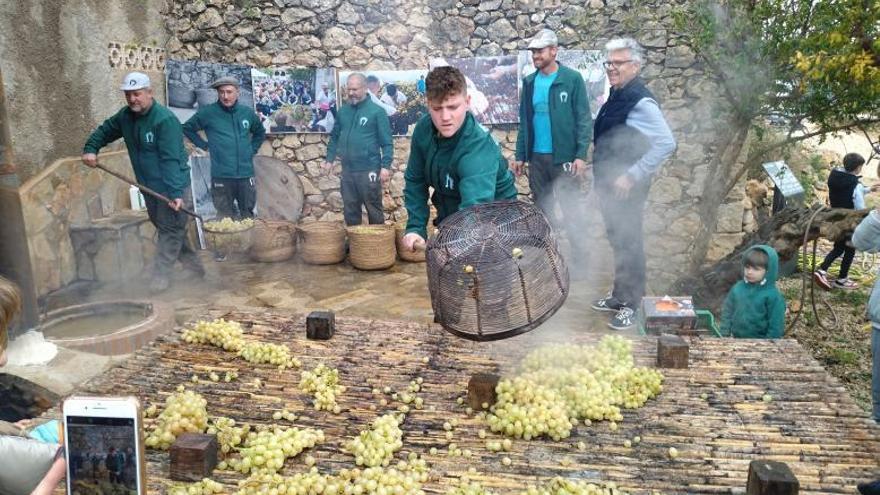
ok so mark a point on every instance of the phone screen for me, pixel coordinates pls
(103, 455)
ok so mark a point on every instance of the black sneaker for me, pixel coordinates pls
(219, 257)
(625, 319)
(608, 303)
(872, 488)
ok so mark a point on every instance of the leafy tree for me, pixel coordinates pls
(815, 63)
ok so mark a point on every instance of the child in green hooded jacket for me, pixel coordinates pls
(754, 307)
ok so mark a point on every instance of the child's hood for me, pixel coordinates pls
(772, 263)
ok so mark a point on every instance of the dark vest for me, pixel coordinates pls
(616, 145)
(841, 186)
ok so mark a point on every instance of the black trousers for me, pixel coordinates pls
(173, 244)
(234, 198)
(848, 253)
(623, 226)
(362, 189)
(551, 184)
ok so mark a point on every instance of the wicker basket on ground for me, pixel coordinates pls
(322, 243)
(371, 247)
(405, 254)
(228, 241)
(273, 240)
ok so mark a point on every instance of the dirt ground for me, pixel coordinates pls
(840, 336)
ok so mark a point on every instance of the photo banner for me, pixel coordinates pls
(295, 99)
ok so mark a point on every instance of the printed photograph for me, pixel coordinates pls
(587, 62)
(492, 85)
(189, 85)
(295, 99)
(401, 93)
(103, 459)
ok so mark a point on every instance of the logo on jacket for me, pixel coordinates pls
(563, 96)
(148, 137)
(372, 176)
(363, 121)
(245, 124)
(450, 184)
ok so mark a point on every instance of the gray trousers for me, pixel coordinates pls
(551, 184)
(362, 189)
(234, 198)
(173, 244)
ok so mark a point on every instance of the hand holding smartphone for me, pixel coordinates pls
(104, 445)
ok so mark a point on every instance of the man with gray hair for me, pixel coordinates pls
(361, 136)
(154, 139)
(631, 140)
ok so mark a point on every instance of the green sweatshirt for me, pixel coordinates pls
(234, 136)
(571, 124)
(361, 136)
(755, 311)
(155, 147)
(464, 170)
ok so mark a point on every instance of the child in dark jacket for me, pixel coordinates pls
(754, 307)
(844, 191)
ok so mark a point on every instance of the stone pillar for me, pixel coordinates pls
(15, 262)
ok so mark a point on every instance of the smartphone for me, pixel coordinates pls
(104, 445)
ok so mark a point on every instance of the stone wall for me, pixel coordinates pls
(67, 194)
(387, 34)
(62, 62)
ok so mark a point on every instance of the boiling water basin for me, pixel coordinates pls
(108, 328)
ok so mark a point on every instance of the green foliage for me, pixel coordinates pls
(856, 298)
(841, 356)
(806, 60)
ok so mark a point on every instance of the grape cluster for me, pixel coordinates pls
(266, 450)
(404, 479)
(229, 225)
(323, 384)
(275, 354)
(560, 384)
(562, 486)
(229, 435)
(184, 412)
(376, 446)
(227, 335)
(205, 487)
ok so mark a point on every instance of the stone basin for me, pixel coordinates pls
(108, 327)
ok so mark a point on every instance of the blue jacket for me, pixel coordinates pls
(867, 238)
(755, 311)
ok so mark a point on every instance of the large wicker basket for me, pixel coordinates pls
(235, 242)
(322, 243)
(273, 240)
(494, 271)
(403, 253)
(371, 247)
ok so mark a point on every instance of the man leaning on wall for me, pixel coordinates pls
(631, 140)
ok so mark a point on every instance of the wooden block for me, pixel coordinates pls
(481, 390)
(320, 325)
(771, 478)
(193, 457)
(672, 352)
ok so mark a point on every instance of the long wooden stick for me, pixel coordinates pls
(147, 190)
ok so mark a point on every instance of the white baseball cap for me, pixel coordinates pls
(543, 39)
(134, 81)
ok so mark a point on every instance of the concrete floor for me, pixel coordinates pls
(399, 293)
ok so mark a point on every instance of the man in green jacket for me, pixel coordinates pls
(451, 153)
(234, 135)
(554, 135)
(362, 138)
(154, 139)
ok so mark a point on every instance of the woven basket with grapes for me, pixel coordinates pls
(229, 236)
